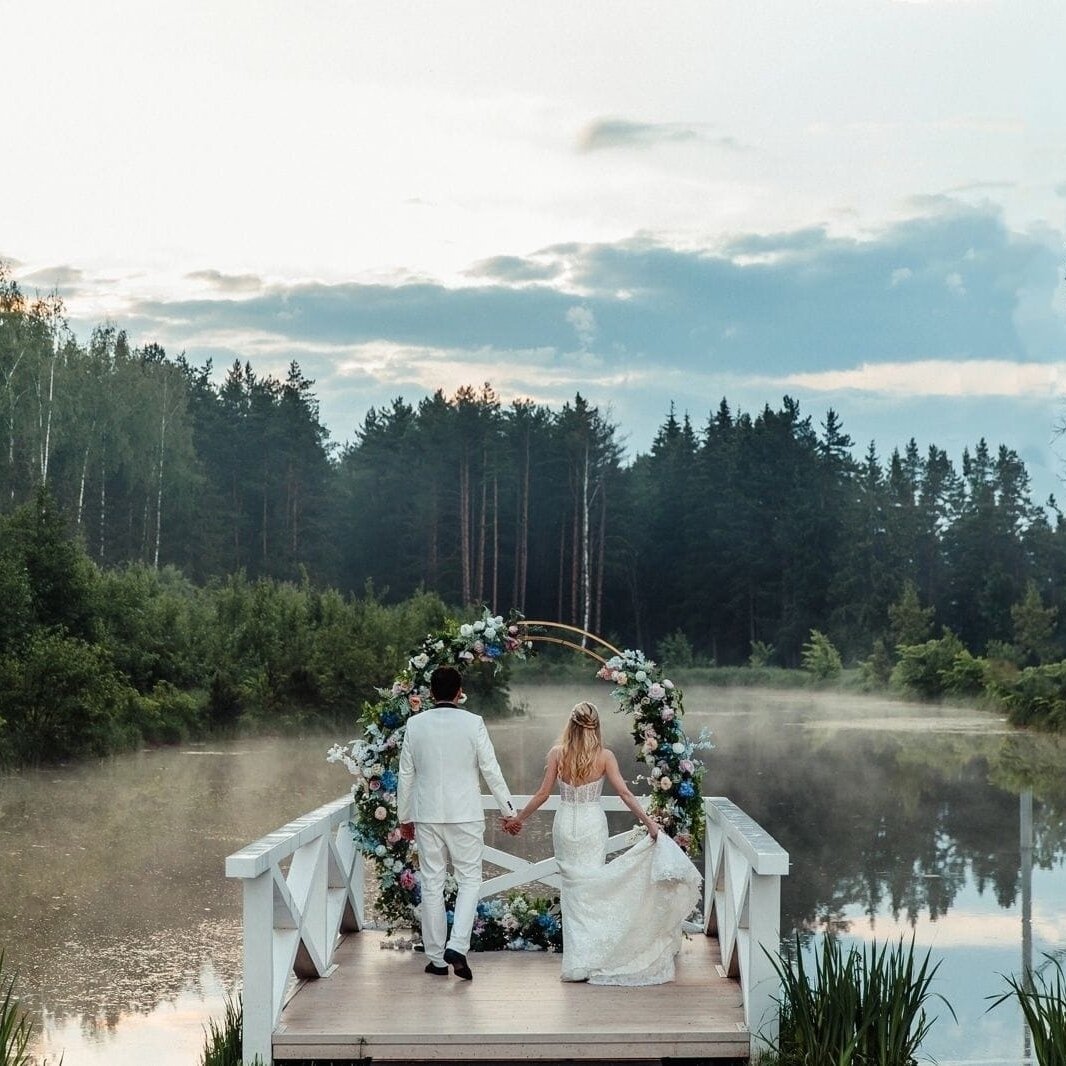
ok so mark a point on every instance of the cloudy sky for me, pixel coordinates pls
(859, 203)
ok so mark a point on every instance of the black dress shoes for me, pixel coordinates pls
(458, 964)
(437, 971)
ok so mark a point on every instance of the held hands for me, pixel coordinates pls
(512, 826)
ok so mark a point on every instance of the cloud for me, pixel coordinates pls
(952, 287)
(227, 282)
(607, 133)
(937, 377)
(584, 323)
(56, 276)
(513, 268)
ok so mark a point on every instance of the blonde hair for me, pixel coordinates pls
(580, 743)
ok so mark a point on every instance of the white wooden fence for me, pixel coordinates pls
(294, 920)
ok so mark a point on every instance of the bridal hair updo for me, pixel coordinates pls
(580, 743)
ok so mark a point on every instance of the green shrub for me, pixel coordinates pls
(63, 699)
(966, 675)
(1035, 696)
(876, 671)
(675, 651)
(761, 653)
(923, 668)
(820, 658)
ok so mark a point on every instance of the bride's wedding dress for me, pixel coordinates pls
(621, 920)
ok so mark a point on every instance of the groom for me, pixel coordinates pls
(438, 804)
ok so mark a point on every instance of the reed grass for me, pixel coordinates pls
(860, 1007)
(1043, 1003)
(223, 1040)
(16, 1026)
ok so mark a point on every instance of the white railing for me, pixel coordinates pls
(294, 921)
(743, 867)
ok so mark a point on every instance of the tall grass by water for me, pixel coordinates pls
(860, 1007)
(1043, 1003)
(16, 1026)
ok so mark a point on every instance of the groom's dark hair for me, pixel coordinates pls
(445, 683)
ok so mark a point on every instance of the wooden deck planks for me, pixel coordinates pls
(379, 1003)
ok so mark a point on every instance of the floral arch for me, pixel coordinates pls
(672, 769)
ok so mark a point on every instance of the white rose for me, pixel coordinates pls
(667, 683)
(380, 850)
(466, 630)
(397, 866)
(490, 633)
(679, 748)
(420, 661)
(666, 784)
(439, 646)
(479, 626)
(640, 675)
(498, 620)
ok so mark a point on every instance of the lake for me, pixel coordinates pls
(900, 820)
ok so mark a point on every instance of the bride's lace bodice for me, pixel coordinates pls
(589, 792)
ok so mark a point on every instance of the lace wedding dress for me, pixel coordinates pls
(621, 920)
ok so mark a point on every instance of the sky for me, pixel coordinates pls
(858, 203)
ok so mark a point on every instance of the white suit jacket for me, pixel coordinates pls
(443, 750)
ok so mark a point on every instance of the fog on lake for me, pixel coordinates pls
(899, 820)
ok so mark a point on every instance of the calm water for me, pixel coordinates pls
(115, 910)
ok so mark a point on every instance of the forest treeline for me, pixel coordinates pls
(746, 528)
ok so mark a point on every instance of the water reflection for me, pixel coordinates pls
(899, 821)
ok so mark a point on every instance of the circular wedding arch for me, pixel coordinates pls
(519, 920)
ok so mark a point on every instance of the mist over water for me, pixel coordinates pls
(899, 819)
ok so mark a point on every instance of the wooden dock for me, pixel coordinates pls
(305, 915)
(380, 1005)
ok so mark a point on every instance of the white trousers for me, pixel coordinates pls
(461, 844)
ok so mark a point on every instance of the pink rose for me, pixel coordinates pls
(665, 784)
(407, 880)
(682, 840)
(394, 836)
(668, 714)
(620, 678)
(375, 784)
(650, 745)
(686, 766)
(415, 701)
(381, 814)
(513, 630)
(656, 691)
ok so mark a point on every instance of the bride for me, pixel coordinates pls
(621, 920)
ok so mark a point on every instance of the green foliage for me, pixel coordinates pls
(820, 657)
(862, 1008)
(761, 654)
(223, 1042)
(911, 623)
(1034, 626)
(63, 699)
(675, 651)
(923, 669)
(877, 669)
(1043, 1003)
(1034, 697)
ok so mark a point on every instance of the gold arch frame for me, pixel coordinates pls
(547, 638)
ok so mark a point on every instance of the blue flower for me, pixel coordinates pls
(685, 790)
(493, 652)
(390, 719)
(388, 781)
